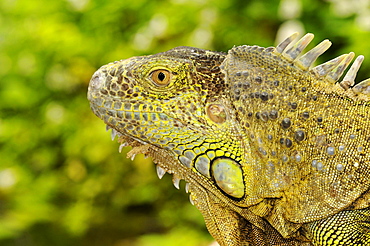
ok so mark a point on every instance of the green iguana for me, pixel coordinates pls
(273, 151)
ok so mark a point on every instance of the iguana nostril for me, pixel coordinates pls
(97, 81)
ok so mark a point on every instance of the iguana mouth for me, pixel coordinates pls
(138, 147)
(162, 159)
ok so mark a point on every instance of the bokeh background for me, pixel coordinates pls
(62, 180)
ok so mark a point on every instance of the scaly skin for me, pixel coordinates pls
(273, 152)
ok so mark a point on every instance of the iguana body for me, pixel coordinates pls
(273, 152)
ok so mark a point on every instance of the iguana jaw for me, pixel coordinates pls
(197, 185)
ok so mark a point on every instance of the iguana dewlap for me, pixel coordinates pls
(274, 152)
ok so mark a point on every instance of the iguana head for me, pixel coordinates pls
(176, 104)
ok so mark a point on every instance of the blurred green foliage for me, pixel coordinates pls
(62, 181)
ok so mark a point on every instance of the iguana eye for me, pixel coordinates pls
(161, 77)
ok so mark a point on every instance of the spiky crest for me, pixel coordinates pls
(328, 72)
